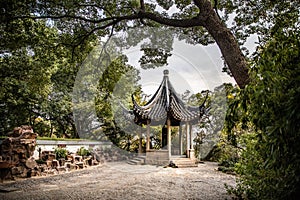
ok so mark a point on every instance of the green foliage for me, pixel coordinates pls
(37, 75)
(116, 85)
(270, 162)
(261, 17)
(60, 152)
(83, 152)
(40, 162)
(211, 142)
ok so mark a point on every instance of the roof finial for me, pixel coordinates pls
(166, 72)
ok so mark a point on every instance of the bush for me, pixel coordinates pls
(60, 152)
(83, 152)
(269, 167)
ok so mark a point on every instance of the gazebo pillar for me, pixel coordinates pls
(140, 142)
(148, 136)
(169, 137)
(191, 151)
(180, 141)
(187, 126)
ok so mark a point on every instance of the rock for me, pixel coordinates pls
(30, 163)
(18, 150)
(61, 169)
(80, 165)
(55, 164)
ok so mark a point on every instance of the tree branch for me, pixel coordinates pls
(182, 23)
(207, 18)
(142, 4)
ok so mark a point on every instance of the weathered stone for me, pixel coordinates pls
(95, 162)
(18, 150)
(55, 163)
(30, 163)
(80, 165)
(16, 170)
(62, 161)
(71, 166)
(61, 169)
(78, 158)
(27, 141)
(49, 163)
(88, 161)
(51, 156)
(70, 158)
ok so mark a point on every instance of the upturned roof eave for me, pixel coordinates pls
(166, 102)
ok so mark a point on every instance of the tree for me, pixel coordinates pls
(116, 85)
(37, 76)
(25, 74)
(267, 115)
(84, 19)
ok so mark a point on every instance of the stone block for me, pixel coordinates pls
(51, 156)
(49, 163)
(61, 169)
(15, 171)
(78, 158)
(80, 165)
(55, 163)
(27, 141)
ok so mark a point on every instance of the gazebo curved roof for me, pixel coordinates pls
(165, 103)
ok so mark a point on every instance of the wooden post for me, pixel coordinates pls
(187, 139)
(191, 138)
(169, 137)
(140, 142)
(191, 151)
(148, 136)
(180, 140)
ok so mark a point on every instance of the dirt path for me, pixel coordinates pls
(123, 181)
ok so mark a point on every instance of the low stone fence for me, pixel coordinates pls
(157, 157)
(71, 146)
(22, 156)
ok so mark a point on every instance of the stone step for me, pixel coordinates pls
(184, 162)
(137, 160)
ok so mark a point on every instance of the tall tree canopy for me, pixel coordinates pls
(196, 22)
(37, 76)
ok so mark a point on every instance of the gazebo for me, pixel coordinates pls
(166, 108)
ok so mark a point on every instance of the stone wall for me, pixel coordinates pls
(157, 157)
(71, 146)
(16, 153)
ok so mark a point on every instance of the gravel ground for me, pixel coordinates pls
(124, 181)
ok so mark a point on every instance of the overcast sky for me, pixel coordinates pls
(193, 68)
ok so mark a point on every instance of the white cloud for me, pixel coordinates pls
(193, 68)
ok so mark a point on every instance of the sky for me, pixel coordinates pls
(193, 68)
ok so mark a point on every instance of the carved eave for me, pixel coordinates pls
(165, 103)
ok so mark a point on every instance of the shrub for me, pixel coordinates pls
(83, 152)
(60, 152)
(269, 167)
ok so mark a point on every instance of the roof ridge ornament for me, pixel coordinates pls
(166, 72)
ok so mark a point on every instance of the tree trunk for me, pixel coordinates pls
(227, 43)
